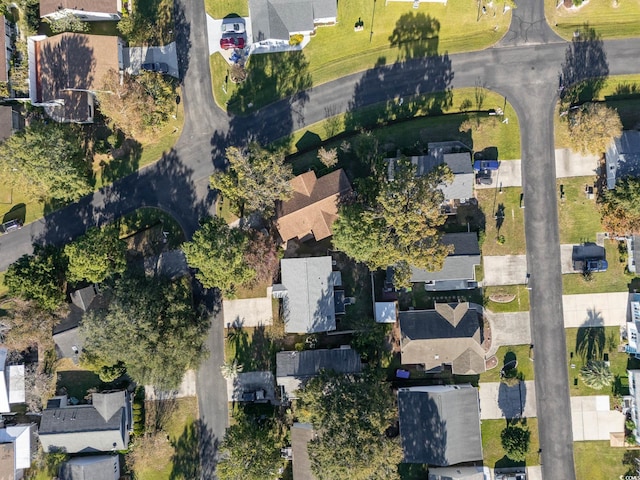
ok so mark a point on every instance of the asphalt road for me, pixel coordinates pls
(525, 66)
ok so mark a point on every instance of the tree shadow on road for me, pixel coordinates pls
(195, 453)
(585, 68)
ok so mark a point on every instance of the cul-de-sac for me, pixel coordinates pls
(319, 239)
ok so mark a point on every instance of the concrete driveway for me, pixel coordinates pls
(595, 309)
(134, 57)
(508, 329)
(498, 400)
(214, 29)
(248, 312)
(592, 419)
(505, 270)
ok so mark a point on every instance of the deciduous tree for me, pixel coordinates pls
(515, 441)
(262, 256)
(39, 277)
(28, 325)
(151, 326)
(593, 127)
(218, 253)
(255, 180)
(329, 158)
(620, 208)
(96, 255)
(46, 161)
(68, 23)
(351, 414)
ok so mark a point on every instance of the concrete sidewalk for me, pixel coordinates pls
(568, 164)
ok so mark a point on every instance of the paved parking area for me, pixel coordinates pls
(595, 309)
(498, 400)
(505, 270)
(134, 57)
(248, 312)
(508, 329)
(251, 382)
(591, 418)
(214, 34)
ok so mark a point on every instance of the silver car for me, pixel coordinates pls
(233, 25)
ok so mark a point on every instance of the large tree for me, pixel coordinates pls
(592, 128)
(96, 255)
(28, 325)
(251, 449)
(218, 253)
(401, 227)
(515, 441)
(151, 326)
(39, 277)
(255, 179)
(46, 161)
(620, 208)
(262, 256)
(351, 414)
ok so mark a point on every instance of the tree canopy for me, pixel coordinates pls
(151, 326)
(46, 161)
(28, 325)
(96, 255)
(401, 227)
(39, 277)
(351, 414)
(255, 180)
(620, 208)
(593, 127)
(515, 441)
(218, 253)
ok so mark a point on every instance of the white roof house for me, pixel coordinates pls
(15, 451)
(11, 383)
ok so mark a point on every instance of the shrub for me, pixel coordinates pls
(296, 39)
(515, 441)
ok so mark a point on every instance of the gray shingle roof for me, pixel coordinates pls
(100, 467)
(623, 157)
(276, 19)
(309, 304)
(460, 265)
(440, 425)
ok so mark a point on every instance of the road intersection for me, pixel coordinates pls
(525, 67)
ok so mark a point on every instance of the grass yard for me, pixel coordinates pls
(587, 343)
(525, 365)
(419, 299)
(494, 454)
(222, 8)
(76, 381)
(252, 347)
(519, 304)
(579, 217)
(615, 279)
(610, 18)
(147, 217)
(512, 226)
(599, 461)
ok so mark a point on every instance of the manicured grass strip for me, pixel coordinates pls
(525, 365)
(615, 279)
(512, 225)
(519, 304)
(600, 460)
(579, 216)
(494, 454)
(609, 18)
(222, 8)
(606, 340)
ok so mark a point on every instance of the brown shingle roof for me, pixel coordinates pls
(314, 205)
(103, 6)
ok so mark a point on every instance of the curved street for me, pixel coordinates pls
(525, 67)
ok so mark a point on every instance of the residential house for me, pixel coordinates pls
(66, 334)
(440, 424)
(633, 253)
(93, 467)
(633, 326)
(11, 383)
(456, 192)
(85, 10)
(103, 426)
(622, 158)
(273, 22)
(449, 335)
(6, 47)
(66, 70)
(460, 473)
(308, 294)
(15, 451)
(633, 400)
(311, 211)
(459, 269)
(295, 368)
(301, 435)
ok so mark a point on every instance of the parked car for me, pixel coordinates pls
(159, 67)
(228, 42)
(486, 165)
(10, 226)
(483, 177)
(233, 25)
(254, 396)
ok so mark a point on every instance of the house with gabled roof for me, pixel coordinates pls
(459, 268)
(85, 10)
(313, 207)
(440, 424)
(92, 467)
(67, 69)
(103, 426)
(622, 158)
(11, 383)
(294, 369)
(15, 451)
(449, 335)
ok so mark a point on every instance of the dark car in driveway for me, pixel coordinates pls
(159, 67)
(229, 41)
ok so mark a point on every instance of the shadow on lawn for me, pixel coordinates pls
(590, 339)
(195, 453)
(255, 352)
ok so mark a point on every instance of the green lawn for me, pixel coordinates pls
(494, 454)
(599, 461)
(77, 382)
(519, 304)
(148, 217)
(512, 228)
(578, 216)
(222, 8)
(610, 18)
(252, 347)
(525, 365)
(615, 279)
(584, 344)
